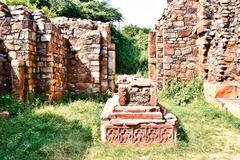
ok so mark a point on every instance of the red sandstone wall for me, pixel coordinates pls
(224, 64)
(176, 51)
(51, 58)
(92, 56)
(198, 38)
(19, 34)
(54, 58)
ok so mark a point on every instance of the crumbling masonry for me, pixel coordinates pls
(134, 116)
(53, 57)
(198, 37)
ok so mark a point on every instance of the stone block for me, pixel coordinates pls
(46, 38)
(184, 33)
(152, 71)
(227, 92)
(137, 124)
(138, 92)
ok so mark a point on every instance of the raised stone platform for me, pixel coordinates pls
(134, 116)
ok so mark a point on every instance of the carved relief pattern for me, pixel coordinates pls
(143, 134)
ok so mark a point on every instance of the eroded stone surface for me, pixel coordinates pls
(137, 91)
(53, 57)
(137, 121)
(198, 38)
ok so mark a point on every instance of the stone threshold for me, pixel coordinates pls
(230, 105)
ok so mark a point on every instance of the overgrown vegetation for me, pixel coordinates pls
(132, 50)
(85, 9)
(184, 93)
(131, 41)
(11, 104)
(14, 106)
(64, 130)
(70, 129)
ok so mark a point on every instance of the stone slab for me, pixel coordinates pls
(141, 134)
(137, 124)
(231, 105)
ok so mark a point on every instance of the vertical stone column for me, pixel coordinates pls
(18, 78)
(204, 17)
(112, 67)
(20, 42)
(159, 56)
(104, 56)
(51, 59)
(30, 57)
(152, 56)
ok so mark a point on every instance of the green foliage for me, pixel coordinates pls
(72, 97)
(27, 3)
(43, 136)
(182, 93)
(85, 9)
(65, 130)
(99, 10)
(11, 104)
(132, 49)
(14, 106)
(71, 130)
(35, 100)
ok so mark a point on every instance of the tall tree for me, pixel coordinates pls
(132, 53)
(85, 9)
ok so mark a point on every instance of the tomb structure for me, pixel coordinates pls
(135, 117)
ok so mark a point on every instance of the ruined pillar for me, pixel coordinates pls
(112, 67)
(152, 56)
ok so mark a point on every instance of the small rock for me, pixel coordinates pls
(4, 114)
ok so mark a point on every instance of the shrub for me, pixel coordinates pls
(12, 105)
(132, 49)
(72, 97)
(84, 9)
(183, 93)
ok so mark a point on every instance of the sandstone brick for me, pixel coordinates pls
(184, 32)
(168, 51)
(227, 92)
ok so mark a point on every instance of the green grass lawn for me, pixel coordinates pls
(71, 131)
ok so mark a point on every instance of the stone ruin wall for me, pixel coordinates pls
(5, 68)
(173, 44)
(198, 38)
(53, 57)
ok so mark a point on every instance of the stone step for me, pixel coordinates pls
(126, 115)
(134, 122)
(136, 109)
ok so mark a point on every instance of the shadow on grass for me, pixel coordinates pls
(43, 136)
(98, 98)
(182, 134)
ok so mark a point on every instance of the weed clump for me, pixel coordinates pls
(15, 106)
(183, 93)
(12, 105)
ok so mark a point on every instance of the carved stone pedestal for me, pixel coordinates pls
(135, 117)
